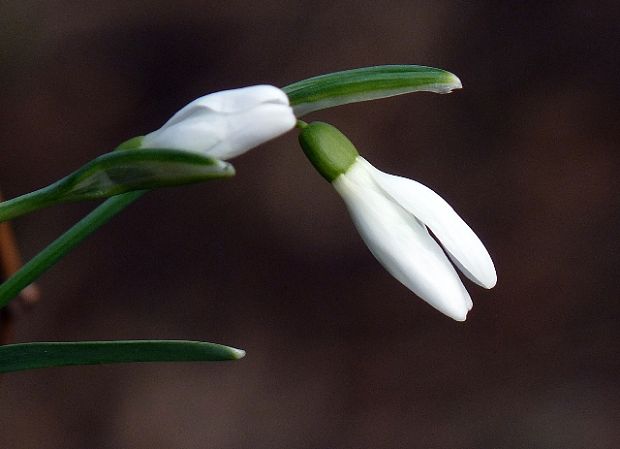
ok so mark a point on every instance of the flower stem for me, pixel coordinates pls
(29, 202)
(65, 243)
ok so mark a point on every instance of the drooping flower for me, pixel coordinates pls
(392, 214)
(226, 124)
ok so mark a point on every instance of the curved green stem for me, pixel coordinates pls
(64, 244)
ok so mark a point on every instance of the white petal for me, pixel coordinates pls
(231, 102)
(252, 128)
(461, 243)
(237, 100)
(197, 133)
(402, 244)
(226, 124)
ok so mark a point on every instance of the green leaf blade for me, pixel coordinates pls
(368, 83)
(26, 356)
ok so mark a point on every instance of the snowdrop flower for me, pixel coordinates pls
(392, 214)
(226, 124)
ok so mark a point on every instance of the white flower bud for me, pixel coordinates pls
(226, 124)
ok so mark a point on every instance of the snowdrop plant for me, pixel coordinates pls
(392, 214)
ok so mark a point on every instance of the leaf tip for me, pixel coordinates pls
(452, 83)
(237, 353)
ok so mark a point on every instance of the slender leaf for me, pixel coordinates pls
(25, 356)
(368, 83)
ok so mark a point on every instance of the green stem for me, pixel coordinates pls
(29, 202)
(64, 244)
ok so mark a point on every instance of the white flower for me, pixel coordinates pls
(392, 213)
(226, 124)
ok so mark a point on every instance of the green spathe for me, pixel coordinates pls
(118, 172)
(328, 149)
(131, 144)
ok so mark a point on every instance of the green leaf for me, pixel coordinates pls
(119, 172)
(368, 83)
(25, 356)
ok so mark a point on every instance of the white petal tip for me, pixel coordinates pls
(490, 282)
(456, 312)
(460, 317)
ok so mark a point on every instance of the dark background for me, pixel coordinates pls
(340, 355)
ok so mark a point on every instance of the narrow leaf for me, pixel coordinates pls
(368, 83)
(25, 356)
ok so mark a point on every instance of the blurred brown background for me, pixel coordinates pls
(340, 355)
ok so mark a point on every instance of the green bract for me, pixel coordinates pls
(119, 172)
(368, 83)
(125, 170)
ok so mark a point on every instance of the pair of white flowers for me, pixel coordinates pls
(390, 212)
